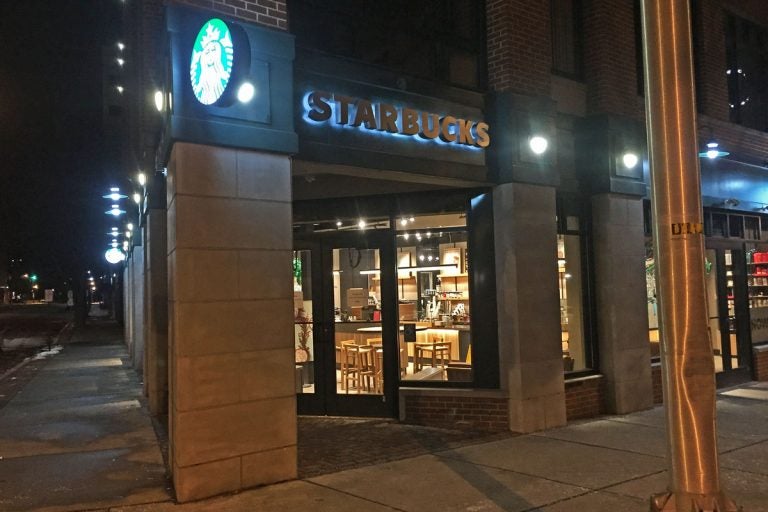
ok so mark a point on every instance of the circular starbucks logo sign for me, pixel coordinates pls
(211, 64)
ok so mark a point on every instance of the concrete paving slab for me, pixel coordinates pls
(296, 495)
(68, 433)
(81, 406)
(742, 419)
(753, 459)
(561, 461)
(746, 489)
(432, 483)
(81, 481)
(631, 437)
(653, 417)
(599, 502)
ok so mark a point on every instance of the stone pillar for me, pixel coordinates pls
(232, 398)
(622, 312)
(128, 293)
(530, 350)
(156, 311)
(137, 309)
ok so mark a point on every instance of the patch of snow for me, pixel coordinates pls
(46, 353)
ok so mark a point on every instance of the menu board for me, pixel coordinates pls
(357, 297)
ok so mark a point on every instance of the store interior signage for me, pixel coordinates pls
(346, 111)
(210, 67)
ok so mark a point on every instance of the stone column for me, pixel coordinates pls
(622, 311)
(137, 309)
(232, 398)
(530, 350)
(156, 310)
(128, 293)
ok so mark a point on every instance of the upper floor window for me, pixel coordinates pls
(747, 70)
(433, 39)
(566, 37)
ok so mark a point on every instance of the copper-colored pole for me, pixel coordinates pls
(688, 372)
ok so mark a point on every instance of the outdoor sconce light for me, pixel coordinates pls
(630, 160)
(114, 255)
(246, 92)
(538, 144)
(159, 101)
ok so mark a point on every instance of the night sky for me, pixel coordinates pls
(53, 174)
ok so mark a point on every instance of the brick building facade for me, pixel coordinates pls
(551, 247)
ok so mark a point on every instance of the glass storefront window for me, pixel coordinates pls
(571, 303)
(302, 322)
(433, 298)
(650, 295)
(357, 321)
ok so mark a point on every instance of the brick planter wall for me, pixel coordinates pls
(584, 397)
(463, 409)
(761, 362)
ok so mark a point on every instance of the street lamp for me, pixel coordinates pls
(115, 211)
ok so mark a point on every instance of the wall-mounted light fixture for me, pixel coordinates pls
(246, 92)
(538, 144)
(630, 160)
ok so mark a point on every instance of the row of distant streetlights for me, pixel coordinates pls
(116, 253)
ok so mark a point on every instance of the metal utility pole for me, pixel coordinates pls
(687, 364)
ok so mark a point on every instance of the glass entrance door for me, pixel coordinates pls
(344, 331)
(728, 313)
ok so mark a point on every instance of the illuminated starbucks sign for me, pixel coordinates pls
(210, 67)
(387, 119)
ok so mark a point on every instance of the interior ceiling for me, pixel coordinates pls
(319, 186)
(312, 180)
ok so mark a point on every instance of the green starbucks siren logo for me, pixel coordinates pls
(211, 64)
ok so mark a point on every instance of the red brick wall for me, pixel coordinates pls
(761, 365)
(465, 412)
(712, 83)
(519, 46)
(584, 398)
(272, 13)
(610, 69)
(150, 36)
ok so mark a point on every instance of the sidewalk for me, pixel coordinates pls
(77, 437)
(608, 464)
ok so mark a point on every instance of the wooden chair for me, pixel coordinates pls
(437, 351)
(378, 370)
(357, 366)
